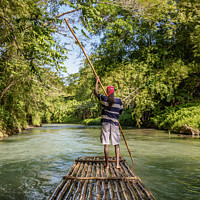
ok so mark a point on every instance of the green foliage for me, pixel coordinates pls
(28, 55)
(96, 121)
(149, 51)
(174, 118)
(7, 122)
(150, 56)
(71, 119)
(126, 119)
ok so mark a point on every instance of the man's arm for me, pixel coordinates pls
(96, 86)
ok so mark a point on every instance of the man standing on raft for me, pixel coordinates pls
(111, 108)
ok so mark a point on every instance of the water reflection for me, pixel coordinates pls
(33, 163)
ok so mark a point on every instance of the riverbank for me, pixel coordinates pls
(180, 119)
(14, 132)
(184, 129)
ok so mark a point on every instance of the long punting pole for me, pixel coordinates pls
(99, 82)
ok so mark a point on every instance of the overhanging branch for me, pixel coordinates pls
(60, 15)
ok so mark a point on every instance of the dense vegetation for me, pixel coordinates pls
(176, 117)
(149, 50)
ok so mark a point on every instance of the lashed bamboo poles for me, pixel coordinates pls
(99, 82)
(60, 186)
(90, 181)
(100, 178)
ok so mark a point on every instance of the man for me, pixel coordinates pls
(111, 108)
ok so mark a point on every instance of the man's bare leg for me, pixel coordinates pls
(117, 152)
(106, 152)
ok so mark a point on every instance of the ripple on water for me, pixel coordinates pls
(33, 163)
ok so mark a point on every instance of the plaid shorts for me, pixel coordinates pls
(110, 131)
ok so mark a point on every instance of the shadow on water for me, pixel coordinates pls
(33, 163)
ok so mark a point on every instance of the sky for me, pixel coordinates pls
(75, 55)
(76, 58)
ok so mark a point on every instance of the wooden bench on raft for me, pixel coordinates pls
(87, 179)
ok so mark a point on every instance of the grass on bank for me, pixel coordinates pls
(173, 118)
(125, 120)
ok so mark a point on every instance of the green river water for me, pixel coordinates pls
(33, 163)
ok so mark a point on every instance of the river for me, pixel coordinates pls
(33, 163)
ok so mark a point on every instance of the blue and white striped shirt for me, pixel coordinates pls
(110, 114)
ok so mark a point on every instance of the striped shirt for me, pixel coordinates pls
(110, 114)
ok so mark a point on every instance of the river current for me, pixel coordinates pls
(33, 163)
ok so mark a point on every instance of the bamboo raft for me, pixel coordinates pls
(87, 179)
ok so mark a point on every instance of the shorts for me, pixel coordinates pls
(110, 131)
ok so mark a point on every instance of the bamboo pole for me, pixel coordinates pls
(60, 186)
(98, 186)
(80, 183)
(99, 83)
(121, 183)
(117, 189)
(85, 185)
(101, 178)
(99, 161)
(67, 186)
(89, 196)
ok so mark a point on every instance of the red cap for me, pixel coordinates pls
(110, 90)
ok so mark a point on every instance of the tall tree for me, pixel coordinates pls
(154, 43)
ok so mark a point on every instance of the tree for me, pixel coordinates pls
(155, 44)
(27, 53)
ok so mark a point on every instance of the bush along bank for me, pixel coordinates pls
(10, 124)
(184, 119)
(7, 123)
(125, 120)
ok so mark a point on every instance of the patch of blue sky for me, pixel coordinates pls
(75, 55)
